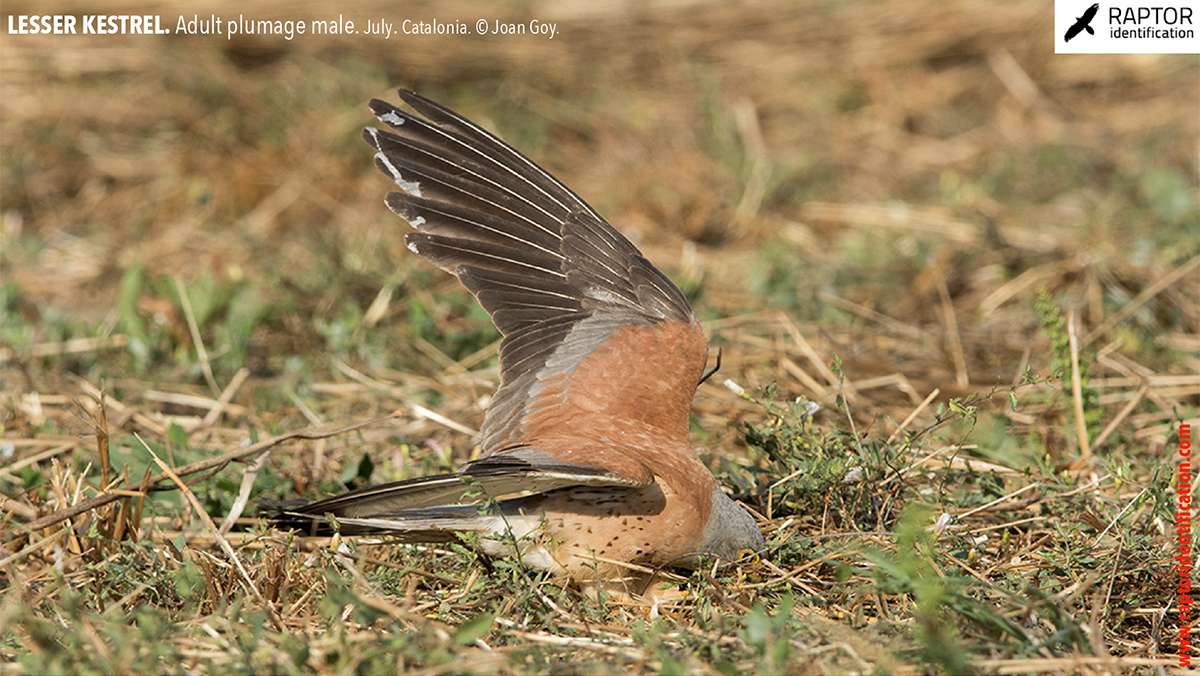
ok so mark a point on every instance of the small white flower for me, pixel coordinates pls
(854, 476)
(735, 388)
(943, 520)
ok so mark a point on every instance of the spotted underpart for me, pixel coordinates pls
(585, 461)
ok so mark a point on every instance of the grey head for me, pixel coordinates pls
(730, 531)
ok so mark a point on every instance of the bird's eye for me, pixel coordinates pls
(747, 555)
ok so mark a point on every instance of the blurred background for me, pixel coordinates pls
(891, 182)
(906, 174)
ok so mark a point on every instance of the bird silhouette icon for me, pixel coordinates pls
(1083, 23)
(585, 467)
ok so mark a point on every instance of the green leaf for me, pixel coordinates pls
(473, 629)
(758, 627)
(671, 666)
(363, 469)
(176, 435)
(127, 303)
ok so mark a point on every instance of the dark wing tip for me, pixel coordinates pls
(430, 109)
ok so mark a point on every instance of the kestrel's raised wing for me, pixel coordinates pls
(585, 442)
(600, 351)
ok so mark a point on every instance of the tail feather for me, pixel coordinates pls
(424, 507)
(434, 524)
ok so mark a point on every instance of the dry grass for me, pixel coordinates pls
(202, 291)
